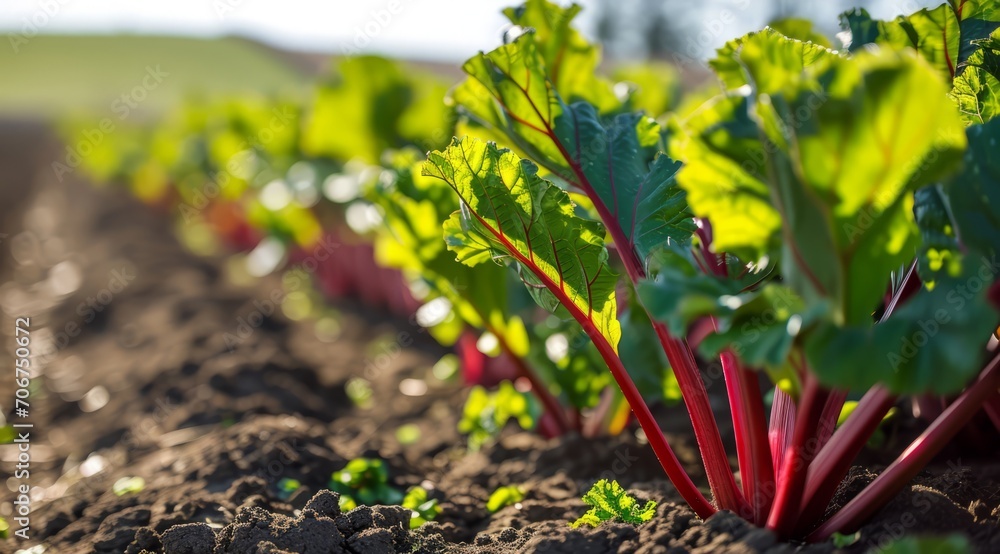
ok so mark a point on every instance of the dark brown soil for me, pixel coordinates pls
(151, 387)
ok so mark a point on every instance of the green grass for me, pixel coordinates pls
(56, 76)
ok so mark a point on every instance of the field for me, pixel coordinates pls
(255, 303)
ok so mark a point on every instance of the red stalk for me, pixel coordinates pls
(828, 419)
(992, 408)
(706, 429)
(779, 433)
(668, 460)
(830, 466)
(752, 449)
(835, 457)
(747, 409)
(915, 457)
(785, 510)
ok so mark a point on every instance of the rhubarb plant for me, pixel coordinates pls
(763, 228)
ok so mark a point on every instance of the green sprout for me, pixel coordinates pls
(503, 497)
(366, 481)
(128, 485)
(287, 486)
(609, 501)
(424, 509)
(485, 414)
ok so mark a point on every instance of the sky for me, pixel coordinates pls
(445, 30)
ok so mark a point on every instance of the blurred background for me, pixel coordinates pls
(63, 56)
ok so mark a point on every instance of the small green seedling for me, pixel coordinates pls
(347, 503)
(4, 528)
(366, 481)
(286, 487)
(128, 485)
(424, 509)
(503, 497)
(486, 413)
(609, 502)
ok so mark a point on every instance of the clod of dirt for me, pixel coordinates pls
(146, 540)
(253, 526)
(190, 538)
(118, 530)
(325, 503)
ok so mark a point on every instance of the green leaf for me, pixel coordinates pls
(346, 503)
(767, 58)
(609, 501)
(414, 208)
(503, 497)
(974, 194)
(128, 485)
(287, 486)
(612, 159)
(945, 36)
(485, 414)
(958, 219)
(977, 89)
(932, 343)
(365, 480)
(424, 508)
(758, 323)
(570, 61)
(373, 104)
(939, 245)
(800, 29)
(510, 213)
(820, 177)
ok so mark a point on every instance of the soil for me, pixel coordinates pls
(202, 388)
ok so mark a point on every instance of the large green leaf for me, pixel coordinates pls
(614, 160)
(933, 342)
(510, 213)
(944, 35)
(373, 104)
(827, 160)
(767, 58)
(974, 194)
(820, 178)
(414, 207)
(977, 89)
(938, 243)
(959, 218)
(569, 60)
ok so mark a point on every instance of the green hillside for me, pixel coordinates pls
(61, 75)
